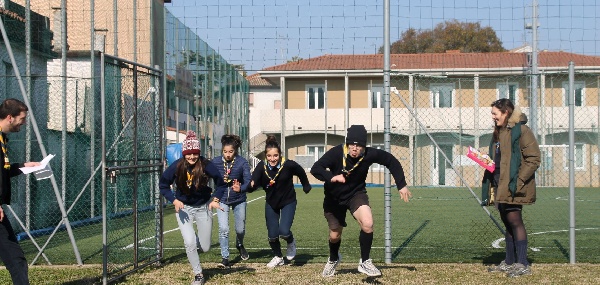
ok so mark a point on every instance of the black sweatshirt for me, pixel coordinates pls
(282, 192)
(330, 165)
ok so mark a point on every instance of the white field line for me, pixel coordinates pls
(496, 243)
(177, 228)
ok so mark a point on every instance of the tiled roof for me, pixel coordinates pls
(448, 61)
(257, 80)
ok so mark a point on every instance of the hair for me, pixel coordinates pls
(200, 178)
(12, 107)
(506, 107)
(272, 143)
(232, 140)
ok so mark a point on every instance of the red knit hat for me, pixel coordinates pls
(190, 144)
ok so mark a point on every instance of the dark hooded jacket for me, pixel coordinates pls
(520, 158)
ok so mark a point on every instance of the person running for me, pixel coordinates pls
(344, 170)
(192, 199)
(275, 175)
(513, 145)
(235, 171)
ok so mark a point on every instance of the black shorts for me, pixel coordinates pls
(335, 211)
(509, 207)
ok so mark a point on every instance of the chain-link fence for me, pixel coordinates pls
(436, 118)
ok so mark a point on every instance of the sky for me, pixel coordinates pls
(263, 33)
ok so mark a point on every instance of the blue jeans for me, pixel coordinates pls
(239, 215)
(203, 218)
(279, 222)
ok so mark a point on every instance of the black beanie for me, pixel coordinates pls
(357, 134)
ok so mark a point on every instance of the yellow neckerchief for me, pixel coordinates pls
(272, 180)
(227, 169)
(190, 178)
(4, 151)
(347, 172)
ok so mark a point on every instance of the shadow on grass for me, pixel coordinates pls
(562, 249)
(409, 239)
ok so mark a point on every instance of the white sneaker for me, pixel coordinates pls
(367, 267)
(330, 266)
(276, 261)
(291, 250)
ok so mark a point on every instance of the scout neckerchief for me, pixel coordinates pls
(190, 178)
(347, 172)
(227, 169)
(272, 180)
(4, 151)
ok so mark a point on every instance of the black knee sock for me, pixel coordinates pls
(276, 247)
(334, 249)
(366, 241)
(289, 238)
(510, 250)
(521, 246)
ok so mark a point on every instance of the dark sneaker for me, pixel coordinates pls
(519, 269)
(502, 267)
(330, 266)
(243, 252)
(224, 263)
(198, 280)
(367, 267)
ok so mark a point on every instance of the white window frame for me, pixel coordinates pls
(435, 102)
(315, 154)
(506, 86)
(576, 85)
(375, 88)
(580, 153)
(316, 94)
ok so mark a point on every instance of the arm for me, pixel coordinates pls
(299, 171)
(256, 177)
(246, 176)
(165, 182)
(319, 168)
(531, 156)
(212, 171)
(388, 160)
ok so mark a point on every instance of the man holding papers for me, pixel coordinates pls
(13, 115)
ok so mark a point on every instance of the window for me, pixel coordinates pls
(579, 93)
(316, 151)
(579, 157)
(376, 96)
(508, 90)
(315, 95)
(442, 95)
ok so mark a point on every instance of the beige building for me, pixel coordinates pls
(439, 107)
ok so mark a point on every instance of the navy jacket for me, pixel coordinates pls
(240, 171)
(196, 197)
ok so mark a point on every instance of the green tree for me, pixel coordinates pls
(449, 35)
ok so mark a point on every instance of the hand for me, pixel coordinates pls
(178, 205)
(31, 164)
(405, 194)
(306, 188)
(338, 178)
(1, 213)
(236, 187)
(215, 205)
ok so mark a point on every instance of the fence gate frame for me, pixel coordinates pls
(111, 171)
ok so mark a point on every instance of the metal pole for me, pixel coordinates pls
(534, 70)
(325, 109)
(104, 196)
(571, 162)
(39, 139)
(346, 103)
(282, 84)
(386, 130)
(63, 61)
(115, 28)
(135, 30)
(92, 106)
(28, 94)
